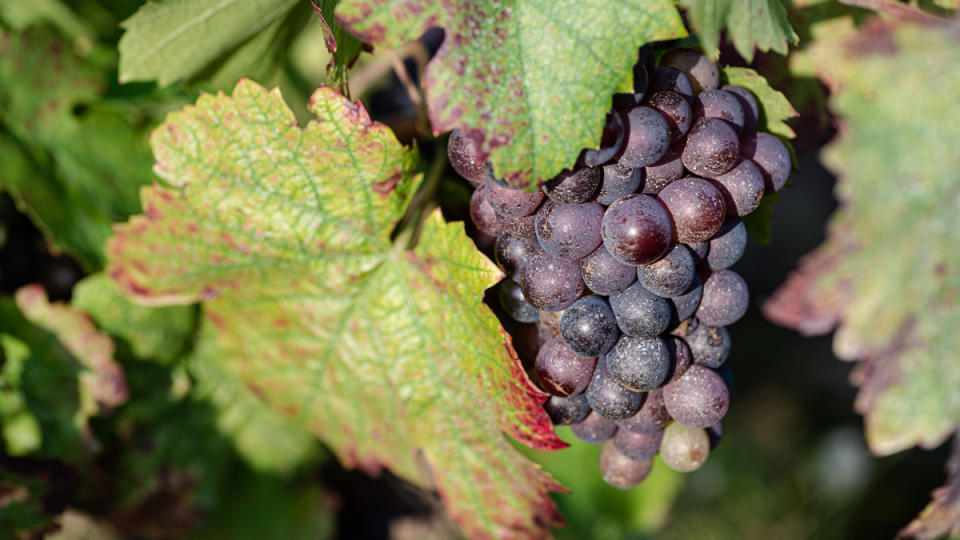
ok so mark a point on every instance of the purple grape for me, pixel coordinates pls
(512, 252)
(726, 374)
(648, 138)
(683, 448)
(670, 276)
(639, 363)
(686, 304)
(639, 312)
(618, 180)
(620, 471)
(569, 231)
(652, 416)
(638, 446)
(703, 73)
(636, 229)
(751, 110)
(680, 354)
(588, 327)
(574, 187)
(671, 79)
(611, 140)
(512, 202)
(483, 215)
(549, 283)
(715, 433)
(522, 226)
(594, 429)
(698, 249)
(709, 345)
(720, 104)
(562, 372)
(662, 173)
(464, 155)
(515, 304)
(728, 245)
(696, 208)
(699, 398)
(725, 299)
(771, 155)
(605, 275)
(567, 410)
(676, 109)
(742, 187)
(609, 398)
(712, 147)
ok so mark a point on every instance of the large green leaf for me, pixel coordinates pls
(387, 354)
(751, 25)
(531, 78)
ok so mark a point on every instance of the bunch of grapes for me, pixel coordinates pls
(623, 263)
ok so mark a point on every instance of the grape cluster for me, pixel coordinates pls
(623, 263)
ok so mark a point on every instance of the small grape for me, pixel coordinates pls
(512, 252)
(681, 356)
(618, 180)
(648, 138)
(726, 374)
(652, 416)
(699, 249)
(672, 79)
(512, 202)
(567, 410)
(608, 397)
(728, 245)
(751, 110)
(684, 449)
(522, 226)
(696, 208)
(670, 276)
(725, 299)
(715, 432)
(675, 108)
(698, 398)
(549, 283)
(483, 215)
(662, 173)
(636, 229)
(620, 471)
(639, 312)
(562, 372)
(712, 147)
(594, 429)
(574, 187)
(550, 324)
(514, 303)
(464, 155)
(771, 155)
(639, 363)
(569, 231)
(742, 187)
(722, 105)
(703, 73)
(709, 345)
(638, 446)
(605, 275)
(685, 305)
(611, 140)
(588, 327)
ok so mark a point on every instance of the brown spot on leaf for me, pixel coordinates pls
(385, 187)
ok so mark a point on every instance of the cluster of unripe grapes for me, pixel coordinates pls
(623, 263)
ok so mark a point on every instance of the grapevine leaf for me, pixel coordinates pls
(387, 354)
(751, 24)
(342, 46)
(775, 110)
(886, 276)
(941, 518)
(532, 79)
(21, 431)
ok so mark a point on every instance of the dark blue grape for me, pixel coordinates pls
(725, 299)
(608, 397)
(569, 231)
(670, 276)
(588, 327)
(712, 147)
(567, 410)
(685, 305)
(675, 108)
(512, 252)
(742, 187)
(574, 187)
(639, 312)
(652, 416)
(728, 245)
(709, 345)
(639, 363)
(638, 446)
(618, 180)
(662, 173)
(515, 304)
(594, 429)
(605, 275)
(771, 155)
(720, 104)
(648, 137)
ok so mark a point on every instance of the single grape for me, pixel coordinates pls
(709, 345)
(618, 180)
(588, 327)
(742, 187)
(676, 109)
(725, 299)
(670, 276)
(464, 155)
(722, 105)
(680, 355)
(567, 410)
(611, 140)
(685, 305)
(715, 433)
(605, 275)
(696, 208)
(672, 79)
(620, 471)
(562, 372)
(594, 429)
(698, 398)
(549, 324)
(648, 138)
(512, 202)
(699, 249)
(639, 363)
(726, 374)
(703, 73)
(569, 231)
(483, 215)
(608, 397)
(574, 187)
(522, 226)
(512, 252)
(712, 147)
(751, 110)
(639, 312)
(514, 303)
(728, 245)
(683, 448)
(636, 229)
(771, 155)
(662, 173)
(549, 283)
(652, 416)
(638, 446)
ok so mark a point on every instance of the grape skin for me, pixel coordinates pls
(680, 355)
(699, 398)
(562, 372)
(751, 109)
(611, 141)
(620, 471)
(638, 446)
(636, 229)
(512, 252)
(549, 324)
(618, 180)
(696, 208)
(515, 304)
(588, 327)
(512, 202)
(523, 226)
(594, 429)
(662, 173)
(464, 155)
(728, 245)
(605, 275)
(483, 215)
(639, 364)
(683, 448)
(672, 79)
(567, 410)
(652, 416)
(551, 284)
(686, 304)
(742, 187)
(699, 249)
(639, 312)
(771, 155)
(671, 275)
(712, 147)
(722, 105)
(725, 299)
(648, 138)
(608, 397)
(703, 73)
(709, 345)
(569, 231)
(574, 187)
(675, 109)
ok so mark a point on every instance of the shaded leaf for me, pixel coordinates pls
(751, 24)
(344, 48)
(532, 78)
(941, 517)
(21, 431)
(775, 109)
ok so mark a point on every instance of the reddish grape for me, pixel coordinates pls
(605, 275)
(549, 283)
(588, 327)
(569, 231)
(594, 429)
(712, 147)
(620, 471)
(681, 356)
(574, 187)
(699, 398)
(515, 304)
(648, 137)
(522, 226)
(670, 276)
(675, 109)
(751, 110)
(685, 305)
(696, 208)
(742, 187)
(562, 372)
(652, 416)
(618, 180)
(703, 72)
(771, 155)
(464, 155)
(483, 215)
(638, 446)
(699, 249)
(728, 245)
(725, 299)
(720, 104)
(512, 202)
(636, 229)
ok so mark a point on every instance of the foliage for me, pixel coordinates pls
(751, 24)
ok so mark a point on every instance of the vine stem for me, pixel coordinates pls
(422, 203)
